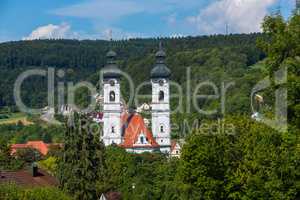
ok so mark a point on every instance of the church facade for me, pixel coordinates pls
(127, 128)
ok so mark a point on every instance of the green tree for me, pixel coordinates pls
(28, 155)
(252, 162)
(7, 161)
(283, 50)
(83, 162)
(13, 192)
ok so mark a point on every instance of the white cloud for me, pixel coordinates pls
(242, 16)
(64, 31)
(52, 31)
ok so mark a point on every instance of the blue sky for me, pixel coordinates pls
(96, 19)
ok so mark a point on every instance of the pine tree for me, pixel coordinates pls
(83, 162)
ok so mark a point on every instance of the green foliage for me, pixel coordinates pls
(119, 168)
(220, 58)
(8, 162)
(13, 192)
(50, 165)
(283, 50)
(83, 162)
(139, 176)
(253, 162)
(249, 161)
(28, 155)
(21, 134)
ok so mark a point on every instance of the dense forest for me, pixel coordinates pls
(214, 58)
(219, 59)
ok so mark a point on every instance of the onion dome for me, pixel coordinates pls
(111, 69)
(160, 70)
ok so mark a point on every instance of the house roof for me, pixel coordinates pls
(132, 128)
(42, 147)
(174, 144)
(25, 178)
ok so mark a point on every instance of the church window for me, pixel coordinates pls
(162, 128)
(161, 96)
(161, 82)
(112, 83)
(113, 129)
(142, 139)
(112, 96)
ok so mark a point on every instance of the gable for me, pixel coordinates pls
(133, 130)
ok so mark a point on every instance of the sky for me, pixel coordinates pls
(124, 19)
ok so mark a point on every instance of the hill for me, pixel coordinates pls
(215, 58)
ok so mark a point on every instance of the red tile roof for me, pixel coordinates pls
(133, 127)
(42, 147)
(173, 144)
(25, 178)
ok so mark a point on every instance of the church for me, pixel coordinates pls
(127, 128)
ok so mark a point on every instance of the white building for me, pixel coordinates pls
(128, 129)
(161, 103)
(111, 102)
(175, 149)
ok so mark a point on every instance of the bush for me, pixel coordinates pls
(8, 162)
(4, 116)
(50, 165)
(13, 192)
(28, 155)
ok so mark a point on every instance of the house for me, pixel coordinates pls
(40, 146)
(175, 149)
(25, 178)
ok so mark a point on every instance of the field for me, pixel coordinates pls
(14, 118)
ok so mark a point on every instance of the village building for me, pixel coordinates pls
(40, 146)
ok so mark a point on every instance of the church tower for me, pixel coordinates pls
(111, 103)
(160, 102)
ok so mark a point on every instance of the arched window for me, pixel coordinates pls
(112, 96)
(112, 129)
(162, 129)
(142, 139)
(161, 96)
